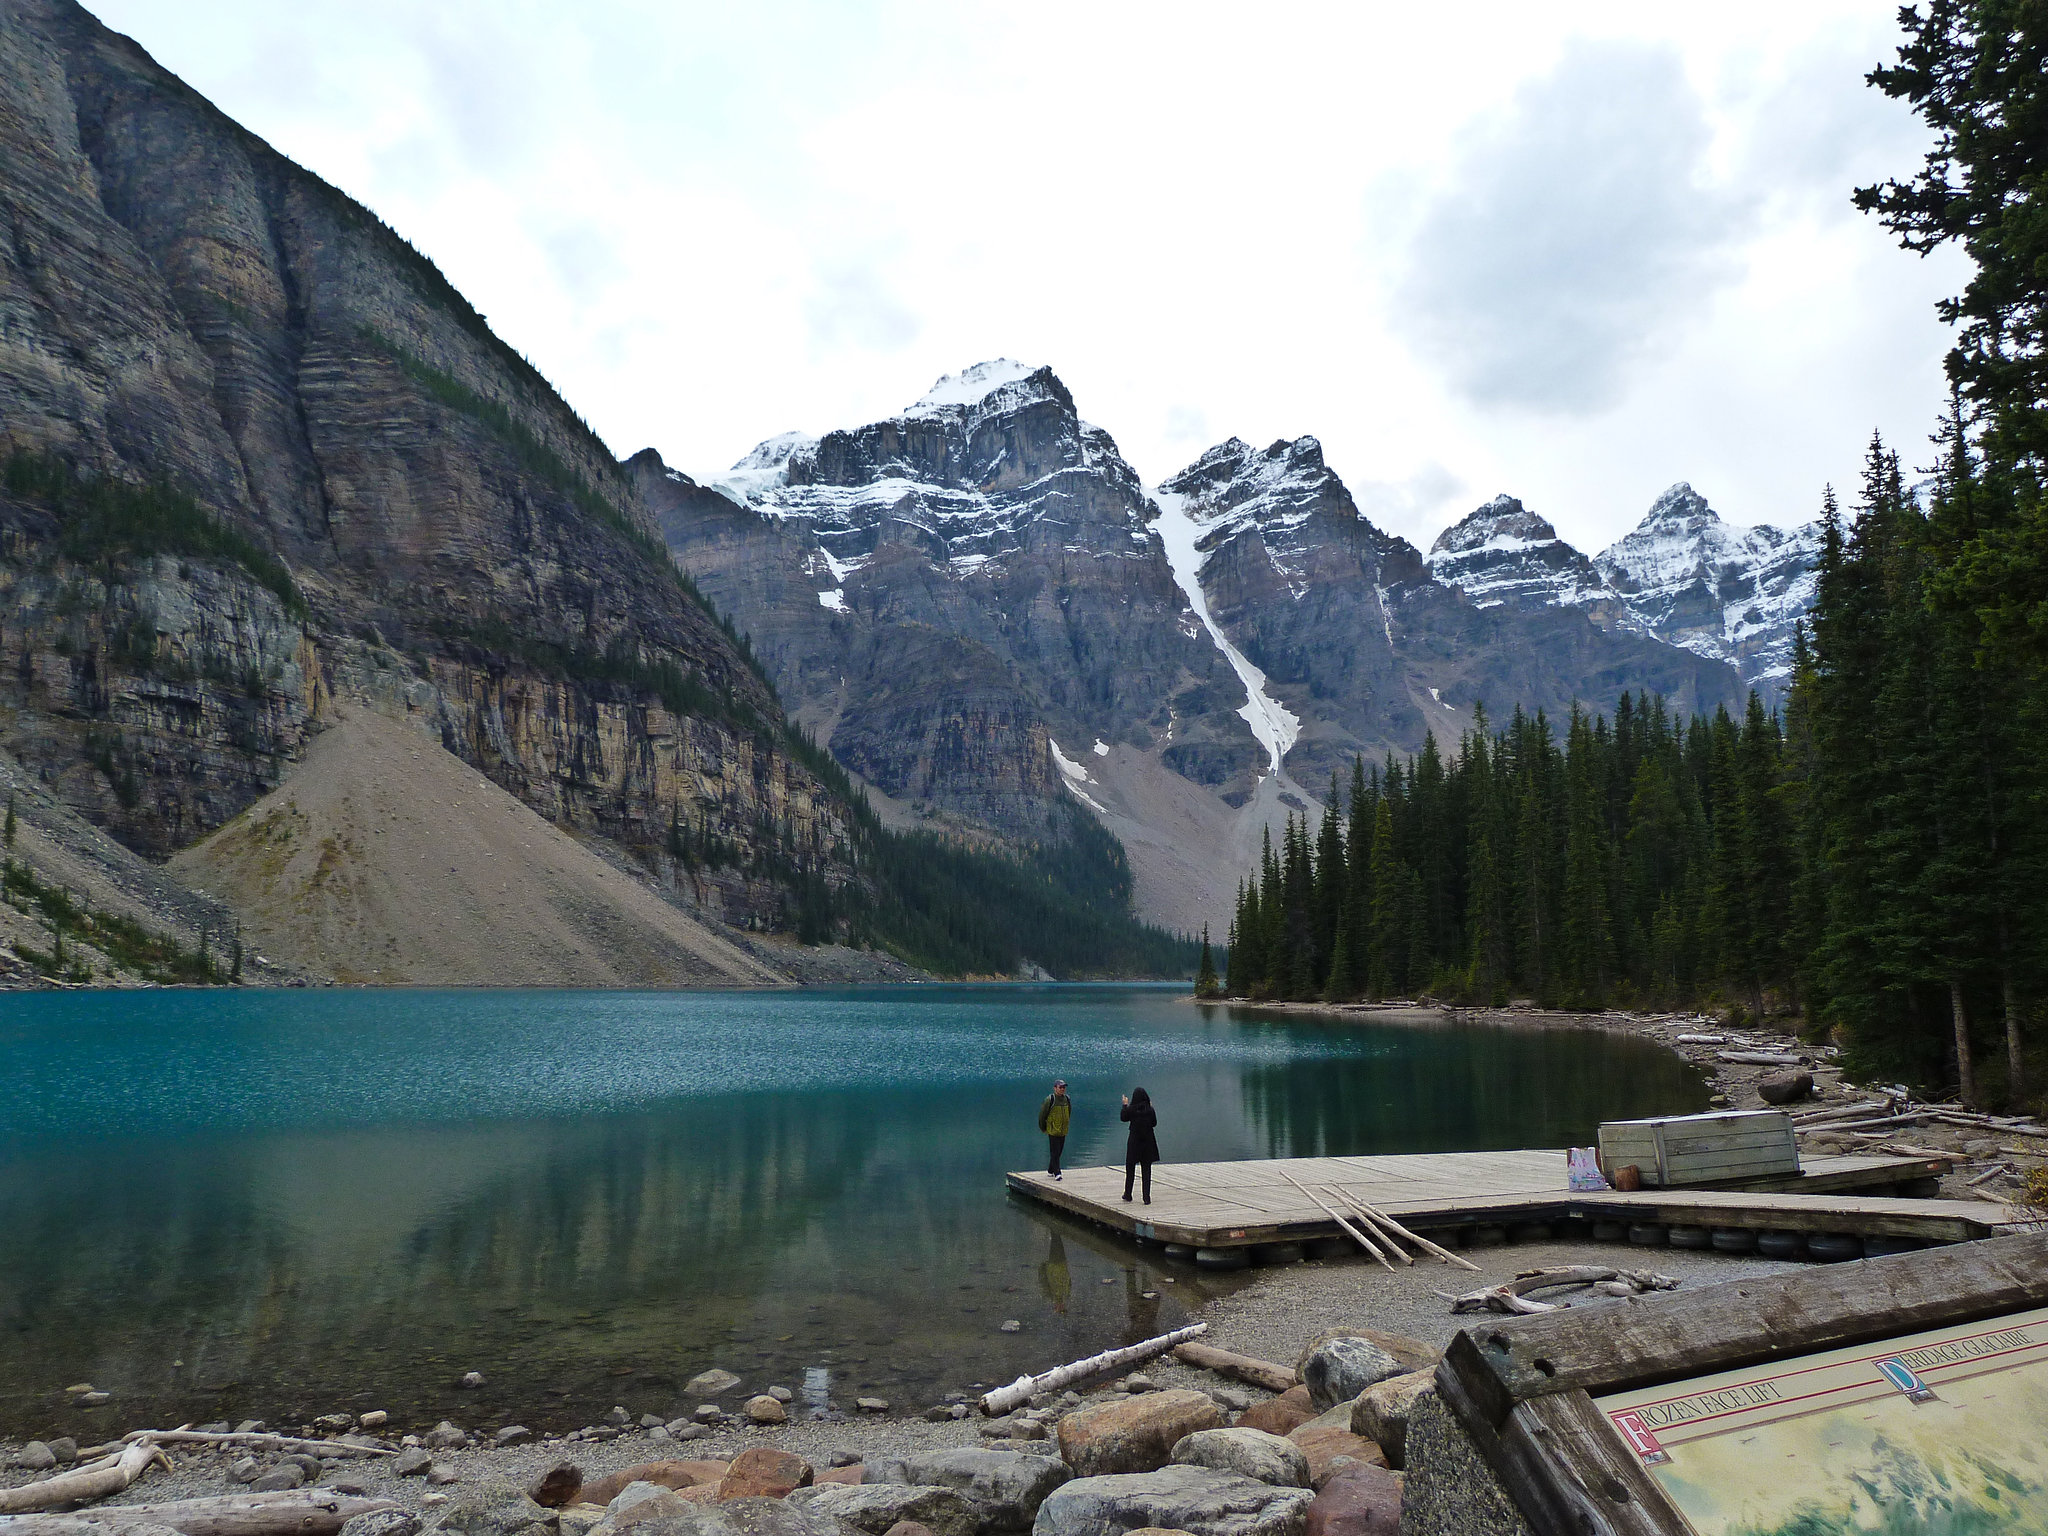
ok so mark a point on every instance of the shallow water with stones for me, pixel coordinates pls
(276, 1204)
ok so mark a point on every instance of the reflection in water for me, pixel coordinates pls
(1055, 1283)
(326, 1207)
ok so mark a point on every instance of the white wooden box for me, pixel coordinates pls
(1702, 1149)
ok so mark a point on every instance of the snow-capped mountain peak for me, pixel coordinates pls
(1504, 553)
(971, 386)
(1715, 589)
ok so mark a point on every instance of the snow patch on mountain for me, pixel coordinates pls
(1275, 727)
(1504, 553)
(1736, 594)
(973, 385)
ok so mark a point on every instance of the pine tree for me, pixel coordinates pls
(1206, 982)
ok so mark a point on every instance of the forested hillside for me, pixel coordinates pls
(1873, 856)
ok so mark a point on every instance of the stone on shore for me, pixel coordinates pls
(1784, 1087)
(440, 1474)
(907, 1528)
(1338, 1365)
(875, 1507)
(851, 1476)
(383, 1522)
(713, 1383)
(772, 1517)
(494, 1508)
(281, 1478)
(1449, 1490)
(762, 1472)
(1359, 1501)
(1198, 1500)
(766, 1410)
(559, 1486)
(1007, 1487)
(1136, 1435)
(1381, 1412)
(1248, 1452)
(36, 1456)
(663, 1474)
(1324, 1443)
(413, 1462)
(65, 1449)
(1278, 1415)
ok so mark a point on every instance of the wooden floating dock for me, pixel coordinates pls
(1243, 1205)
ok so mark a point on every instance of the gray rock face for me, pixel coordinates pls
(493, 1508)
(1005, 1486)
(192, 308)
(383, 1522)
(1449, 1490)
(280, 1478)
(412, 1462)
(1248, 1452)
(1194, 1499)
(774, 1517)
(874, 1507)
(1336, 1368)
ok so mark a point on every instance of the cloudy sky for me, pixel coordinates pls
(1572, 253)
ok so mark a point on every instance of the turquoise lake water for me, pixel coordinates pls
(279, 1204)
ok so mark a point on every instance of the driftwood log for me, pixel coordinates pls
(260, 1442)
(1024, 1388)
(310, 1512)
(1328, 1210)
(1760, 1058)
(1512, 1295)
(1254, 1372)
(84, 1484)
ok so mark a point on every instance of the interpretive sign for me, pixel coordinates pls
(1890, 1395)
(1944, 1430)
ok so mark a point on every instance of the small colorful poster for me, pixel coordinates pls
(1943, 1433)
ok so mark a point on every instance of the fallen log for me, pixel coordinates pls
(262, 1442)
(1002, 1399)
(1759, 1058)
(306, 1512)
(84, 1485)
(1512, 1295)
(1253, 1372)
(1988, 1174)
(1805, 1117)
(1702, 1039)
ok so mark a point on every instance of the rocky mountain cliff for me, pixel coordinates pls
(1681, 576)
(260, 454)
(1732, 593)
(982, 611)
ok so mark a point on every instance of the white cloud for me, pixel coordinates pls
(1576, 231)
(707, 223)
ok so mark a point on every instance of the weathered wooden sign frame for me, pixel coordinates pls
(1522, 1388)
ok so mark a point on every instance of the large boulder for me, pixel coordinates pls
(874, 1507)
(1193, 1499)
(773, 1517)
(762, 1472)
(1784, 1087)
(1137, 1435)
(1359, 1501)
(1324, 1443)
(1005, 1486)
(1449, 1489)
(493, 1508)
(663, 1474)
(1278, 1415)
(376, 1522)
(1381, 1412)
(646, 1508)
(1248, 1452)
(1338, 1365)
(558, 1487)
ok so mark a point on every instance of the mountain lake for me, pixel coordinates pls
(276, 1204)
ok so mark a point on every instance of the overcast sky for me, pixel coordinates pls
(1571, 253)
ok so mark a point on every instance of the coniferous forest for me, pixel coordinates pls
(1870, 856)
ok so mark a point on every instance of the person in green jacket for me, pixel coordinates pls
(1054, 1116)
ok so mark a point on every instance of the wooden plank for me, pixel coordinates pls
(1646, 1340)
(1563, 1467)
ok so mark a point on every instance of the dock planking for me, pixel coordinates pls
(1235, 1205)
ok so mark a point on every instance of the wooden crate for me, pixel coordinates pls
(1702, 1149)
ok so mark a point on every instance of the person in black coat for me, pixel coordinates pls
(1141, 1150)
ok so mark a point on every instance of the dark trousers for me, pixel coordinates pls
(1058, 1144)
(1130, 1169)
